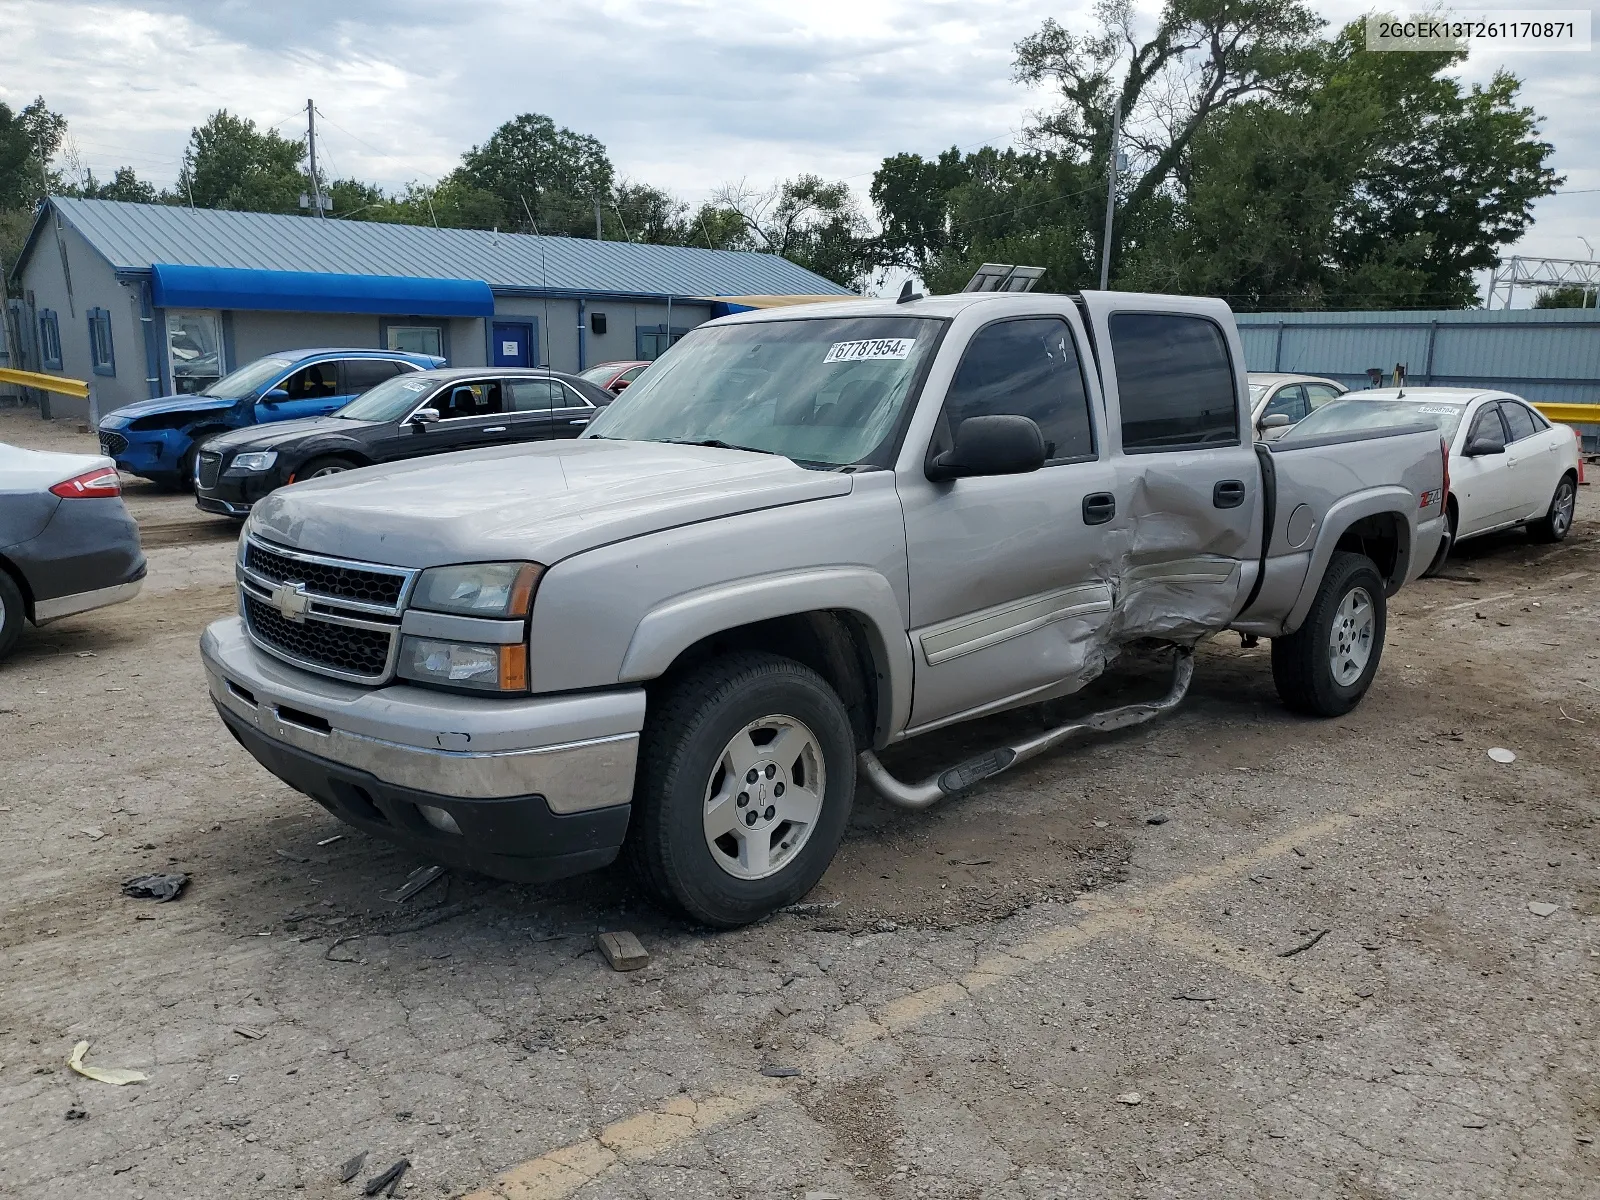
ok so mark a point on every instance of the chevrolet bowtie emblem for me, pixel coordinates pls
(290, 600)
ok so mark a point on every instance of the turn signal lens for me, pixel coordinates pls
(102, 481)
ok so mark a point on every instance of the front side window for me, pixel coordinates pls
(416, 339)
(1487, 425)
(1290, 402)
(101, 356)
(827, 391)
(316, 382)
(50, 339)
(1025, 368)
(1519, 421)
(247, 379)
(1174, 382)
(481, 399)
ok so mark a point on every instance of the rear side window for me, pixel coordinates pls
(363, 373)
(1175, 382)
(1518, 420)
(1320, 393)
(1025, 368)
(534, 395)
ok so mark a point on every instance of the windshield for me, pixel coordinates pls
(600, 375)
(828, 391)
(1352, 412)
(1257, 390)
(248, 378)
(390, 400)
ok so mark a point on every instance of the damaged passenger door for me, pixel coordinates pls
(1187, 477)
(1009, 594)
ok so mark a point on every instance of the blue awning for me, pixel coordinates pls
(318, 291)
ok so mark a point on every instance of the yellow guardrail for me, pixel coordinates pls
(1571, 414)
(52, 383)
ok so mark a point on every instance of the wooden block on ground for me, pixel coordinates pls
(623, 951)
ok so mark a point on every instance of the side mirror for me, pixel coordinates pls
(995, 445)
(1484, 443)
(275, 396)
(424, 417)
(1275, 421)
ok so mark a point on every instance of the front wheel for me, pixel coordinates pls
(330, 464)
(1326, 666)
(1557, 520)
(746, 776)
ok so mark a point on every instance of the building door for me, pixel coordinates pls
(194, 351)
(512, 345)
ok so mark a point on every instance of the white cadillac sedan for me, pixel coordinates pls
(1509, 466)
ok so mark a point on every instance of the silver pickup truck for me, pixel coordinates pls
(802, 536)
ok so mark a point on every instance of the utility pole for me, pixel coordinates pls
(1111, 190)
(599, 230)
(311, 140)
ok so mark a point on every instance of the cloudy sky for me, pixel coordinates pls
(686, 94)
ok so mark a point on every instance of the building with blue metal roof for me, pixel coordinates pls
(131, 296)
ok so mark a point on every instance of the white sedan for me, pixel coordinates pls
(1278, 401)
(1509, 466)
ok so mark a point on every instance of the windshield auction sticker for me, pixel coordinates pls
(1496, 29)
(874, 348)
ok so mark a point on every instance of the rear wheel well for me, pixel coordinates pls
(832, 642)
(1382, 538)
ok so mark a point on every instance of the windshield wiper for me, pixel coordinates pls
(718, 444)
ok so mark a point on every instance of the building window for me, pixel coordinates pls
(49, 339)
(101, 355)
(194, 350)
(652, 341)
(416, 339)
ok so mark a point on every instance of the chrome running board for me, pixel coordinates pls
(964, 774)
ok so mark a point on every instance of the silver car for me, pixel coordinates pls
(1278, 401)
(67, 543)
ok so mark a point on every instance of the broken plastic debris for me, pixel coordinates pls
(116, 1076)
(1540, 909)
(415, 882)
(389, 1179)
(1501, 755)
(156, 887)
(328, 841)
(352, 1167)
(780, 1072)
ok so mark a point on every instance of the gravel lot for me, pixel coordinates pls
(1034, 991)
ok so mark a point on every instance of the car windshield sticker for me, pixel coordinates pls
(1439, 410)
(874, 348)
(416, 385)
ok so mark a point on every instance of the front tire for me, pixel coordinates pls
(12, 613)
(746, 777)
(328, 464)
(1326, 666)
(1557, 520)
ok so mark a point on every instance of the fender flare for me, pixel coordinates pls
(1390, 498)
(674, 625)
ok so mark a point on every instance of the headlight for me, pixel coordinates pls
(259, 461)
(464, 665)
(479, 589)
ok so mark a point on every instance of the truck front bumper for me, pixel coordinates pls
(528, 789)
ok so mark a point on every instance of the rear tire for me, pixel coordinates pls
(13, 613)
(1326, 666)
(1557, 520)
(725, 715)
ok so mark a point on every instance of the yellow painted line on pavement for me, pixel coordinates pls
(562, 1171)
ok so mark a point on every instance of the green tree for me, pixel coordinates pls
(807, 220)
(29, 142)
(543, 177)
(124, 185)
(229, 163)
(1570, 296)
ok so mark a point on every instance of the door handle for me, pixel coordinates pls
(579, 421)
(1098, 508)
(1229, 493)
(495, 429)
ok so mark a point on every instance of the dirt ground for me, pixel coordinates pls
(1230, 953)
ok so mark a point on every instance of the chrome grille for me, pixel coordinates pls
(328, 615)
(112, 444)
(208, 467)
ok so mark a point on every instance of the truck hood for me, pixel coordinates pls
(163, 404)
(542, 502)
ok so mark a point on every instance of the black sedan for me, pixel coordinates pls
(424, 412)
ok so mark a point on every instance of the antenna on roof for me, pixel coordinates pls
(907, 295)
(1003, 277)
(544, 279)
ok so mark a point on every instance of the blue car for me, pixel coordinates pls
(157, 439)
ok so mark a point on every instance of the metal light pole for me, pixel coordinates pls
(1111, 190)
